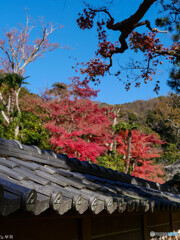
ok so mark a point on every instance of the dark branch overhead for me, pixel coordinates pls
(129, 24)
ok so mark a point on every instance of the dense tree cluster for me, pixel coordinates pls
(66, 120)
(60, 120)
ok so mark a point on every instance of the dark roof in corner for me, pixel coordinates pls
(36, 180)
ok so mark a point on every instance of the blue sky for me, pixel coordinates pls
(57, 65)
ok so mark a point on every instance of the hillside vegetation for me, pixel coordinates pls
(138, 138)
(161, 116)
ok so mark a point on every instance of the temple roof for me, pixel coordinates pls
(36, 180)
(173, 169)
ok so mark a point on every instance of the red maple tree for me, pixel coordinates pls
(81, 129)
(149, 44)
(143, 152)
(77, 125)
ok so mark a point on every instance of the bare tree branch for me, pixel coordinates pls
(147, 23)
(2, 100)
(128, 25)
(102, 10)
(17, 54)
(5, 117)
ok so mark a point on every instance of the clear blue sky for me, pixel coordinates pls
(57, 66)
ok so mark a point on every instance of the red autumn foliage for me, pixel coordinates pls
(80, 89)
(143, 151)
(145, 42)
(148, 44)
(94, 69)
(149, 171)
(85, 20)
(78, 127)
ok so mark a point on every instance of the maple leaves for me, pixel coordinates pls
(148, 44)
(105, 49)
(85, 20)
(79, 131)
(148, 170)
(94, 69)
(81, 89)
(79, 128)
(152, 48)
(143, 152)
(145, 42)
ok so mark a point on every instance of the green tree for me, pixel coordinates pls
(170, 19)
(165, 119)
(170, 154)
(31, 130)
(112, 160)
(10, 87)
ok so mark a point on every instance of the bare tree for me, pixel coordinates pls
(17, 51)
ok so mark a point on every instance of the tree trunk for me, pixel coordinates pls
(16, 132)
(128, 151)
(17, 100)
(113, 145)
(133, 166)
(6, 118)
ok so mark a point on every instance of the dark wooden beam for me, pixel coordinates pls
(171, 221)
(85, 228)
(145, 234)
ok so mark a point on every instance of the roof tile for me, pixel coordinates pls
(36, 180)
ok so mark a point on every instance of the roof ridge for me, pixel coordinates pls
(14, 148)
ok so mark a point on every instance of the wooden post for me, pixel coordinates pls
(85, 228)
(171, 221)
(145, 233)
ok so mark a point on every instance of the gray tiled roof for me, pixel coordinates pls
(36, 180)
(173, 169)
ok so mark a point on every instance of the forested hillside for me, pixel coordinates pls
(159, 115)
